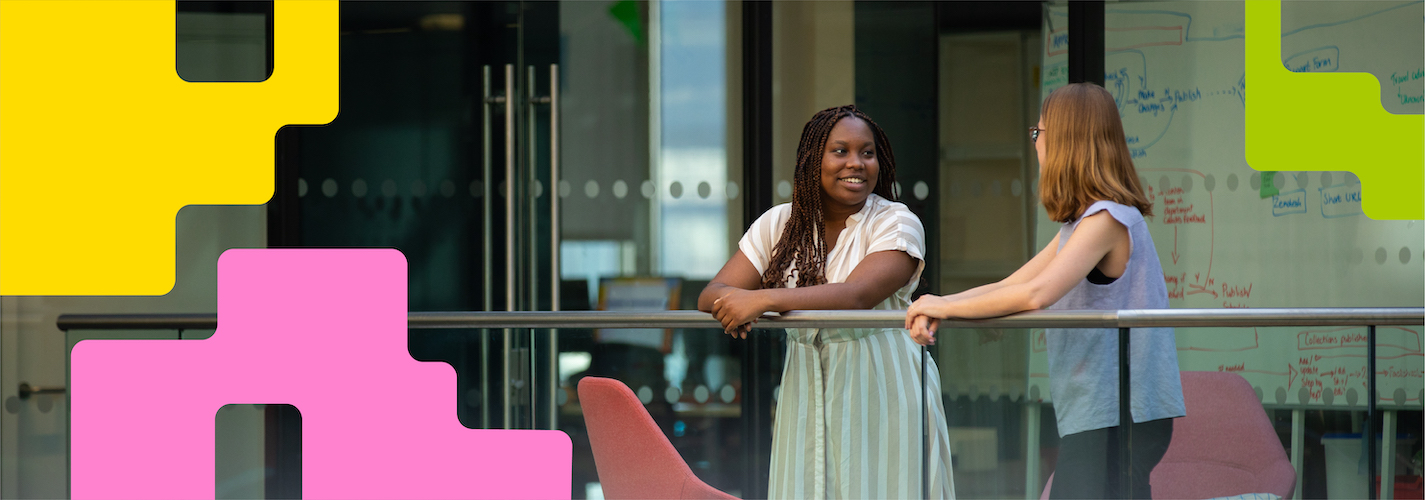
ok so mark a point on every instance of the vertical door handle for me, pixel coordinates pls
(554, 274)
(509, 231)
(487, 246)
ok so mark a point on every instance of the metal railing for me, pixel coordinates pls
(820, 319)
(1121, 320)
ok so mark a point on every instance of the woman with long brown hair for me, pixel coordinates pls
(848, 422)
(1103, 258)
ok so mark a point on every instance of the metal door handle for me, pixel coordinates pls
(509, 230)
(26, 390)
(554, 275)
(530, 106)
(487, 284)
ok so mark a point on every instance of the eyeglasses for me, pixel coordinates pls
(1034, 134)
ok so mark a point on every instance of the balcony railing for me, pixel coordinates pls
(1122, 320)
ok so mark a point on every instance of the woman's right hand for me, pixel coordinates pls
(738, 310)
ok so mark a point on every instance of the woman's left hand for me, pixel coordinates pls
(738, 310)
(922, 330)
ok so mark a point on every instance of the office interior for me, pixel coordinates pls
(602, 155)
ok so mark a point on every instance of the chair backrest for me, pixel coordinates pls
(633, 457)
(1225, 445)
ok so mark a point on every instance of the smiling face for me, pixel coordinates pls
(849, 169)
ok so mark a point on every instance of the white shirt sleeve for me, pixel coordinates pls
(761, 238)
(899, 229)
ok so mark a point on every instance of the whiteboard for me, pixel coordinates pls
(1229, 236)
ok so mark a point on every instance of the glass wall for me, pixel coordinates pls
(1229, 236)
(650, 203)
(603, 170)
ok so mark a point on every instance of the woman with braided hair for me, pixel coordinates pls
(848, 422)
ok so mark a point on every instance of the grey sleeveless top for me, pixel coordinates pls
(1083, 363)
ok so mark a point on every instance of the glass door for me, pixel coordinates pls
(540, 156)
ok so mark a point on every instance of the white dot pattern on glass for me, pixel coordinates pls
(671, 394)
(301, 187)
(1380, 255)
(704, 190)
(358, 188)
(1254, 180)
(561, 397)
(1016, 187)
(591, 189)
(1232, 182)
(329, 188)
(1210, 183)
(1405, 255)
(896, 190)
(645, 394)
(538, 189)
(700, 394)
(784, 189)
(620, 190)
(732, 190)
(996, 188)
(1302, 180)
(1164, 184)
(388, 188)
(1279, 180)
(1325, 179)
(727, 393)
(418, 189)
(648, 189)
(564, 189)
(447, 188)
(920, 190)
(675, 190)
(1187, 183)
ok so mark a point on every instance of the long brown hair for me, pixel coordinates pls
(1086, 157)
(803, 243)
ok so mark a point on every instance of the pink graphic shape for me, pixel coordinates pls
(324, 331)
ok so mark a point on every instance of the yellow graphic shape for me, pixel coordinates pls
(101, 143)
(1329, 121)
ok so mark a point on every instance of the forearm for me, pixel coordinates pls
(996, 302)
(977, 291)
(828, 296)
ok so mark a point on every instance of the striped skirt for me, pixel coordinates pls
(848, 421)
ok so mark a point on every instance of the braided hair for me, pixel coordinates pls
(802, 246)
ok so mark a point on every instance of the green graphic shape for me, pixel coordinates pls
(1329, 121)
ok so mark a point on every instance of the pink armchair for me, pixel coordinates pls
(633, 457)
(1225, 446)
